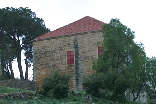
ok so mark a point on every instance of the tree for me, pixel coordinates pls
(117, 44)
(123, 57)
(138, 71)
(151, 70)
(21, 25)
(4, 71)
(38, 28)
(6, 52)
(151, 75)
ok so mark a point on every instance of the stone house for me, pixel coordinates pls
(70, 49)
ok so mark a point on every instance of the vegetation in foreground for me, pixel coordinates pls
(80, 98)
(122, 66)
(56, 85)
(62, 101)
(41, 99)
(18, 27)
(9, 89)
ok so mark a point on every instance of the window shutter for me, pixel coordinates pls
(70, 57)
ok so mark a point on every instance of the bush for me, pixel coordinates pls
(110, 86)
(5, 75)
(56, 85)
(93, 83)
(152, 101)
(121, 85)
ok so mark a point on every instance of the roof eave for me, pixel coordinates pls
(65, 35)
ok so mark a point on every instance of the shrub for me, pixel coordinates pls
(5, 75)
(56, 85)
(121, 85)
(110, 86)
(93, 83)
(152, 101)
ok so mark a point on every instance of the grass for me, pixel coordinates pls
(45, 100)
(9, 89)
(54, 101)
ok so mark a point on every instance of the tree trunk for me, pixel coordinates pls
(140, 88)
(16, 41)
(9, 56)
(18, 53)
(137, 95)
(2, 65)
(26, 72)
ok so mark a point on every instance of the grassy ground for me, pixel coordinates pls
(9, 89)
(70, 100)
(79, 99)
(54, 101)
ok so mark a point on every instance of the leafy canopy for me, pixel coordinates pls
(19, 27)
(122, 62)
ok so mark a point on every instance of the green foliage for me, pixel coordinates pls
(117, 45)
(56, 85)
(110, 86)
(19, 27)
(93, 83)
(71, 99)
(151, 71)
(122, 63)
(151, 76)
(152, 101)
(5, 75)
(121, 85)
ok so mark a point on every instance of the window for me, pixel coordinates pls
(70, 57)
(100, 50)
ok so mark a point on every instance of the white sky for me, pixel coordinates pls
(139, 15)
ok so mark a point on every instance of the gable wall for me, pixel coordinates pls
(50, 54)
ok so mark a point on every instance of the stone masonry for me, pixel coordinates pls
(50, 54)
(78, 67)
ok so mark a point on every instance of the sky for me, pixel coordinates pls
(138, 15)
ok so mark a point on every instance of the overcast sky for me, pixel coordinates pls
(139, 15)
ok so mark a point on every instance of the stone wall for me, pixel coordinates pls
(50, 54)
(16, 83)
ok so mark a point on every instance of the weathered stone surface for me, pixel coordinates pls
(78, 67)
(51, 54)
(16, 83)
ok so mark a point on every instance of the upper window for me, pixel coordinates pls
(100, 50)
(70, 57)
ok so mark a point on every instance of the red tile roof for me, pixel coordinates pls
(83, 25)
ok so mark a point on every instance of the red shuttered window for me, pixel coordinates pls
(70, 57)
(100, 50)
